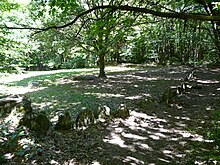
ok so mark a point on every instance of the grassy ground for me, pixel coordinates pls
(154, 133)
(55, 91)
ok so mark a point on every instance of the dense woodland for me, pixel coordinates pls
(166, 50)
(76, 34)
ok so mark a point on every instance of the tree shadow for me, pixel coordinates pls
(154, 133)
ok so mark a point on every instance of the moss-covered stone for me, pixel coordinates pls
(121, 112)
(84, 118)
(64, 122)
(36, 122)
(24, 105)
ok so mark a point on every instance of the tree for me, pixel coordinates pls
(179, 10)
(96, 25)
(103, 33)
(11, 44)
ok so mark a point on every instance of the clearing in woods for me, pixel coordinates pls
(154, 133)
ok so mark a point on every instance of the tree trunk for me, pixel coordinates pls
(102, 66)
(209, 8)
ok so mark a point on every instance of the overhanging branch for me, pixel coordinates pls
(130, 9)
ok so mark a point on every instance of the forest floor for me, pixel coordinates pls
(154, 133)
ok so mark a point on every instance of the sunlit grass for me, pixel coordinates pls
(60, 98)
(55, 91)
(58, 91)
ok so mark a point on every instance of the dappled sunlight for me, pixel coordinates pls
(105, 95)
(18, 89)
(18, 77)
(140, 115)
(131, 134)
(9, 156)
(42, 105)
(12, 120)
(154, 133)
(143, 146)
(133, 159)
(207, 82)
(133, 97)
(64, 80)
(116, 139)
(182, 118)
(210, 108)
(131, 76)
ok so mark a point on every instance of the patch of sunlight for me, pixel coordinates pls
(70, 162)
(146, 117)
(44, 104)
(186, 118)
(167, 151)
(115, 139)
(211, 161)
(13, 119)
(132, 123)
(100, 95)
(183, 133)
(54, 119)
(22, 1)
(143, 146)
(9, 156)
(176, 106)
(180, 155)
(171, 154)
(133, 159)
(154, 137)
(18, 90)
(136, 122)
(200, 162)
(209, 108)
(194, 137)
(164, 160)
(133, 97)
(54, 162)
(152, 78)
(119, 130)
(133, 136)
(18, 77)
(160, 135)
(144, 124)
(207, 82)
(95, 163)
(199, 138)
(118, 68)
(146, 94)
(64, 80)
(180, 124)
(25, 141)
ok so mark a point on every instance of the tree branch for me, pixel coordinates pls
(183, 16)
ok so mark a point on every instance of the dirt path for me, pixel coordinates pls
(155, 133)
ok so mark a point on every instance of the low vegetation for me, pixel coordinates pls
(109, 82)
(184, 118)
